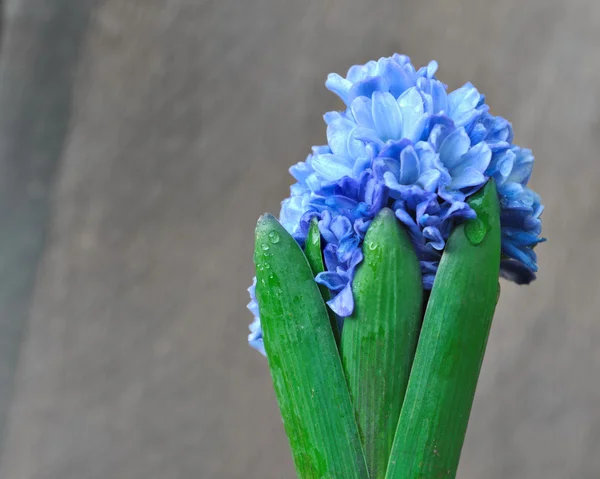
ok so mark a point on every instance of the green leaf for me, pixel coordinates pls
(314, 255)
(451, 346)
(379, 339)
(304, 361)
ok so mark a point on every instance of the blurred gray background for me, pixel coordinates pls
(139, 142)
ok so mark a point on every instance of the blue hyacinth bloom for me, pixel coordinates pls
(405, 142)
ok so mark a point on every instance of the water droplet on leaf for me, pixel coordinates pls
(264, 246)
(372, 246)
(475, 231)
(274, 237)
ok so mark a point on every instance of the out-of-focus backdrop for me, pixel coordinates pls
(139, 142)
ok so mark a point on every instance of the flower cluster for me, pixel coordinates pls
(405, 143)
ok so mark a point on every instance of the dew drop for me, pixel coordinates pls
(274, 237)
(372, 246)
(264, 247)
(475, 231)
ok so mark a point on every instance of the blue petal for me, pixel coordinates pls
(526, 255)
(333, 281)
(367, 88)
(340, 226)
(330, 257)
(347, 247)
(387, 116)
(409, 222)
(343, 303)
(436, 241)
(477, 133)
(511, 191)
(428, 280)
(515, 271)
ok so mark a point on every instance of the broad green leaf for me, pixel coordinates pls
(314, 255)
(379, 339)
(304, 361)
(450, 351)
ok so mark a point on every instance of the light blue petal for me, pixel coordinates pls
(478, 158)
(432, 67)
(454, 147)
(429, 180)
(367, 135)
(331, 116)
(300, 171)
(362, 110)
(338, 85)
(462, 102)
(439, 96)
(356, 148)
(331, 167)
(399, 79)
(411, 107)
(387, 116)
(343, 303)
(337, 136)
(511, 191)
(468, 177)
(501, 166)
(292, 210)
(522, 167)
(409, 166)
(257, 343)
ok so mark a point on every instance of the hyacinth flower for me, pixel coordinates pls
(375, 289)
